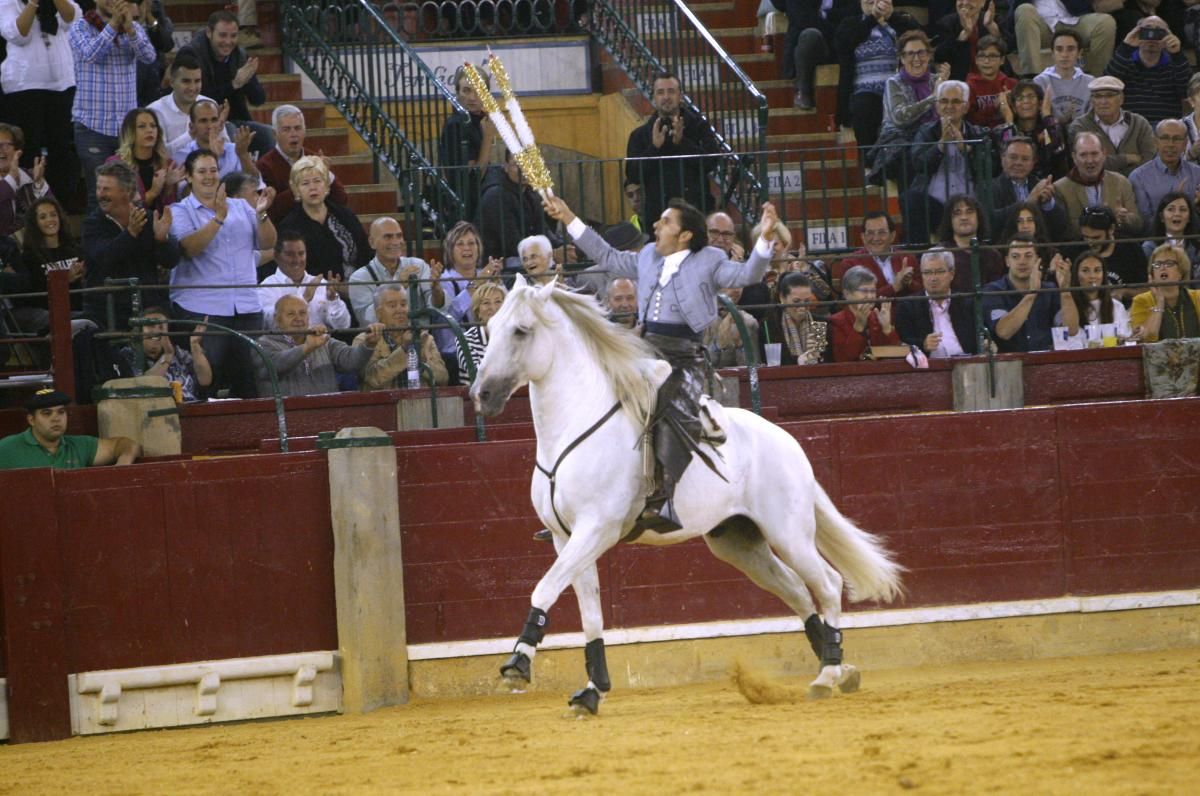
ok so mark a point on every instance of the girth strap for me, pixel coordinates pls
(552, 473)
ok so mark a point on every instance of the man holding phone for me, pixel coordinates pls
(1151, 64)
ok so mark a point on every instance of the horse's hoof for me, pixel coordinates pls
(816, 692)
(517, 670)
(585, 699)
(851, 679)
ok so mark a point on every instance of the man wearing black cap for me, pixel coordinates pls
(46, 444)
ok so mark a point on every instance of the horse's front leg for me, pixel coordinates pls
(586, 545)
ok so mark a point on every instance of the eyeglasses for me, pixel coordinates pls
(934, 272)
(988, 56)
(1162, 265)
(910, 54)
(949, 101)
(716, 233)
(1174, 139)
(7, 145)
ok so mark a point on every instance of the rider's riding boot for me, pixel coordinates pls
(660, 515)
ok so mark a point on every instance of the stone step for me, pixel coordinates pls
(726, 14)
(313, 111)
(330, 140)
(372, 198)
(281, 88)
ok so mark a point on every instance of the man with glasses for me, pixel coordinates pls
(1151, 64)
(942, 161)
(1034, 21)
(895, 271)
(1126, 137)
(1089, 184)
(1169, 171)
(943, 326)
(988, 84)
(1020, 320)
(957, 35)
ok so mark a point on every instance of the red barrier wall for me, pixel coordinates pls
(182, 561)
(155, 564)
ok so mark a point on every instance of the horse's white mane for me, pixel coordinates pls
(626, 359)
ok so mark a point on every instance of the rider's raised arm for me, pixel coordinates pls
(610, 262)
(730, 273)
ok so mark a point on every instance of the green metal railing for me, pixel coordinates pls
(750, 346)
(387, 94)
(482, 19)
(648, 38)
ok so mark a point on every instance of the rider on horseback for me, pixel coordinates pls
(677, 279)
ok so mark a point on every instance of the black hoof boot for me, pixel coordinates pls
(585, 699)
(517, 668)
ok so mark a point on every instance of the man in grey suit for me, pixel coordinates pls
(677, 280)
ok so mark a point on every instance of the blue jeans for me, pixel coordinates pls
(93, 149)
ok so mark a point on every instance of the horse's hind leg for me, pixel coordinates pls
(825, 583)
(739, 542)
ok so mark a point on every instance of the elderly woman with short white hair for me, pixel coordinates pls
(337, 245)
(537, 259)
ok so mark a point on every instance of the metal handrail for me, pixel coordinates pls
(356, 58)
(280, 416)
(623, 28)
(455, 329)
(750, 348)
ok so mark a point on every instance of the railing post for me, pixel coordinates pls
(58, 283)
(751, 351)
(980, 327)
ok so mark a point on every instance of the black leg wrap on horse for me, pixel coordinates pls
(597, 666)
(517, 666)
(831, 650)
(814, 629)
(535, 627)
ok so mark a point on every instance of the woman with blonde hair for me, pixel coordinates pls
(485, 303)
(141, 147)
(1167, 311)
(463, 252)
(337, 245)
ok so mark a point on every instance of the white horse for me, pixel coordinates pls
(592, 387)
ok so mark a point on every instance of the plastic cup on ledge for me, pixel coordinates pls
(774, 354)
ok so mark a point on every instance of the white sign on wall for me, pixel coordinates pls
(827, 237)
(786, 182)
(535, 68)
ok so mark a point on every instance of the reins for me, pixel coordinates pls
(552, 474)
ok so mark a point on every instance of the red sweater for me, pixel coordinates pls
(985, 98)
(848, 344)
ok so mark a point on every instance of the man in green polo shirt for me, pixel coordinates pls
(46, 444)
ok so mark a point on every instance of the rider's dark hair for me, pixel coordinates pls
(691, 220)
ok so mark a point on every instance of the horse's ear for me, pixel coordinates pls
(547, 290)
(520, 281)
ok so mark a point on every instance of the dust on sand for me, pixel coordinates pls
(1111, 724)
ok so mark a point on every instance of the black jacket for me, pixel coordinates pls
(325, 252)
(1004, 201)
(663, 177)
(508, 212)
(914, 323)
(110, 252)
(217, 79)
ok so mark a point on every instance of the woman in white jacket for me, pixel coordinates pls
(38, 78)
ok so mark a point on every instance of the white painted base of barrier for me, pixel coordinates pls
(203, 693)
(792, 624)
(3, 708)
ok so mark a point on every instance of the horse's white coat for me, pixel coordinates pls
(576, 365)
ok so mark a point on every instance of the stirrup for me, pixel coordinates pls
(660, 518)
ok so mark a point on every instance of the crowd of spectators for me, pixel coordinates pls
(1057, 136)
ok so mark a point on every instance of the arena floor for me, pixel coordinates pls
(1096, 725)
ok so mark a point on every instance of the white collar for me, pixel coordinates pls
(671, 265)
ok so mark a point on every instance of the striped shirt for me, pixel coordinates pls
(106, 74)
(1157, 91)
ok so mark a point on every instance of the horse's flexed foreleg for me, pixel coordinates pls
(576, 565)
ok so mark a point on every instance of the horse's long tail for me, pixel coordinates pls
(861, 558)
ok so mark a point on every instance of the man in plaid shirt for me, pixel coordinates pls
(107, 44)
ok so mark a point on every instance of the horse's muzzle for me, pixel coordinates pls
(490, 396)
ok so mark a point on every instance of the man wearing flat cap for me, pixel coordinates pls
(1125, 136)
(46, 444)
